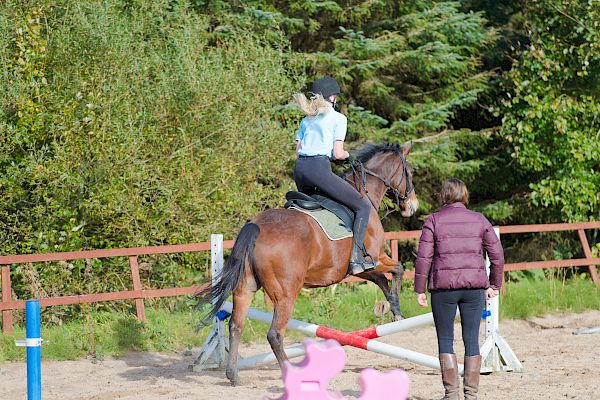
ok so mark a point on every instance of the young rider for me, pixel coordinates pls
(319, 140)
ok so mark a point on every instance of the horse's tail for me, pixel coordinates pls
(242, 257)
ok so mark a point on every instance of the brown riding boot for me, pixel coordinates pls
(471, 381)
(450, 379)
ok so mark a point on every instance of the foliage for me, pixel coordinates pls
(552, 118)
(130, 124)
(409, 71)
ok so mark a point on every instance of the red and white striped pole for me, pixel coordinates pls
(362, 339)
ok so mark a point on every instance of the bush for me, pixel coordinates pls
(130, 124)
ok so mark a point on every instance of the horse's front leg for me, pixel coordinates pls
(397, 275)
(392, 294)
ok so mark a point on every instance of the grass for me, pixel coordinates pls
(527, 299)
(345, 307)
(116, 333)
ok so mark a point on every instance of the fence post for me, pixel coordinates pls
(394, 249)
(7, 318)
(588, 254)
(137, 286)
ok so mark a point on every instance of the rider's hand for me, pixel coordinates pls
(422, 299)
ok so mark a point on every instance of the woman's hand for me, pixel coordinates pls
(490, 293)
(422, 299)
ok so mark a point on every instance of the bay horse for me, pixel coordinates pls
(284, 250)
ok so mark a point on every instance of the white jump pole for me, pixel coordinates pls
(345, 338)
(371, 333)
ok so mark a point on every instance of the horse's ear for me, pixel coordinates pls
(406, 147)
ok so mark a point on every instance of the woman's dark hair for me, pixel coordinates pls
(454, 191)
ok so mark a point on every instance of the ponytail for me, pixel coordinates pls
(313, 107)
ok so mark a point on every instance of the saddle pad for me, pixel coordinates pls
(334, 228)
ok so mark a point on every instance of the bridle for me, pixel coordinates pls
(360, 173)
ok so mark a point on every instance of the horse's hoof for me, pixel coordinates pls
(399, 317)
(232, 376)
(381, 308)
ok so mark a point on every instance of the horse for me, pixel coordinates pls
(284, 250)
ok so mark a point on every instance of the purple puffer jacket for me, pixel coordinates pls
(451, 251)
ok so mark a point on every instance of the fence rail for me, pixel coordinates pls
(139, 294)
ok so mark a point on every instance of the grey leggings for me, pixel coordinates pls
(470, 303)
(311, 173)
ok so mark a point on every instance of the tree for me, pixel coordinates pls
(552, 118)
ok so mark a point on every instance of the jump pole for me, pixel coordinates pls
(33, 343)
(347, 338)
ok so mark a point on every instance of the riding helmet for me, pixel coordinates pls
(326, 87)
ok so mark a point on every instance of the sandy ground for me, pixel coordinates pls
(557, 365)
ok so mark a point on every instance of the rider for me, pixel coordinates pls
(320, 139)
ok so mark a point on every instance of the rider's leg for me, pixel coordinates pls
(317, 172)
(358, 263)
(299, 177)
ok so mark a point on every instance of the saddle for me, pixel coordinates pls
(317, 202)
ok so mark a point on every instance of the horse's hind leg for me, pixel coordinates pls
(281, 316)
(242, 297)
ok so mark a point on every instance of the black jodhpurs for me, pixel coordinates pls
(315, 172)
(443, 304)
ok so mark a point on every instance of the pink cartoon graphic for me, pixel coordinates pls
(308, 380)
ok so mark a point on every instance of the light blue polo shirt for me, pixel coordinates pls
(317, 134)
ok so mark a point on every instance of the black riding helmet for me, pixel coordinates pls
(326, 87)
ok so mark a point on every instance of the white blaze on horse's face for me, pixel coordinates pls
(410, 205)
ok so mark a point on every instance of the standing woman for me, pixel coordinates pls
(319, 140)
(451, 261)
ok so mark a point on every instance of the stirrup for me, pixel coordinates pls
(356, 269)
(360, 266)
(368, 262)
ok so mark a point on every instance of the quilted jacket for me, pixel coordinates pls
(451, 251)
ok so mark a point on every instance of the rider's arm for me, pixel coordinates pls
(338, 150)
(339, 135)
(299, 136)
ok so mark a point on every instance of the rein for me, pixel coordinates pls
(359, 170)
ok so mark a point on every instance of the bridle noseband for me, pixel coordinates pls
(359, 170)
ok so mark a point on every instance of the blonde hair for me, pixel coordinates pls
(313, 107)
(454, 191)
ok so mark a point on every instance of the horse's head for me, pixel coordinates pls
(388, 163)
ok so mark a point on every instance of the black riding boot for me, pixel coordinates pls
(358, 262)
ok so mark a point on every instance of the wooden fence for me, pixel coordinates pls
(8, 304)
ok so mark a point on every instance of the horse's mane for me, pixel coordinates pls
(368, 151)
